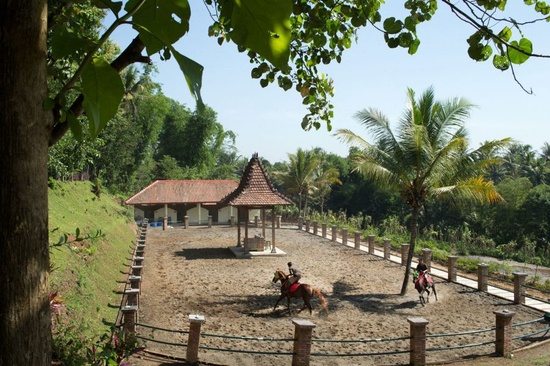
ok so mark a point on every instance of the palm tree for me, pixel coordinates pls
(324, 179)
(426, 157)
(298, 174)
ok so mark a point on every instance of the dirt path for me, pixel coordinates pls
(192, 271)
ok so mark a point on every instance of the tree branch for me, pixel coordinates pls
(132, 54)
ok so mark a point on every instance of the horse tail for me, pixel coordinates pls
(322, 299)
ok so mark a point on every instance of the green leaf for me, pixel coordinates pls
(75, 126)
(480, 52)
(413, 47)
(65, 42)
(393, 26)
(501, 62)
(114, 6)
(193, 75)
(518, 57)
(262, 26)
(103, 90)
(505, 34)
(160, 23)
(48, 104)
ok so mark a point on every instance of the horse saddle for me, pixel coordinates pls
(294, 287)
(424, 280)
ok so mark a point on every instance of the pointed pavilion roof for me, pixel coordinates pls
(255, 188)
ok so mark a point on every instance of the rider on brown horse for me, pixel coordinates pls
(295, 276)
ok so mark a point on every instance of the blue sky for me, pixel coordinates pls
(267, 120)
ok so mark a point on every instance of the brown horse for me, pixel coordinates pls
(423, 285)
(297, 290)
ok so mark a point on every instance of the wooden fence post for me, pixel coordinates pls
(209, 221)
(300, 222)
(418, 341)
(315, 223)
(279, 221)
(302, 342)
(195, 323)
(307, 225)
(185, 222)
(334, 233)
(324, 230)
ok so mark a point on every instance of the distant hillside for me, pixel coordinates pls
(87, 274)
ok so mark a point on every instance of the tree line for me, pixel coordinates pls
(153, 137)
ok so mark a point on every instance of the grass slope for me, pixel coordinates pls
(88, 274)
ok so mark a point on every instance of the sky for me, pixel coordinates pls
(267, 120)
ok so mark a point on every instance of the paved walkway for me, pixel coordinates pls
(505, 294)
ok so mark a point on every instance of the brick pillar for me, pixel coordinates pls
(278, 221)
(140, 250)
(307, 225)
(186, 222)
(345, 237)
(135, 282)
(519, 288)
(300, 222)
(334, 233)
(129, 318)
(302, 342)
(417, 341)
(451, 268)
(371, 244)
(195, 323)
(482, 276)
(387, 249)
(132, 296)
(324, 230)
(136, 270)
(427, 258)
(315, 227)
(209, 221)
(232, 221)
(404, 254)
(358, 240)
(503, 332)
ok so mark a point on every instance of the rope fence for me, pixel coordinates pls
(302, 340)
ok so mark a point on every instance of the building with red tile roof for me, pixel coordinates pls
(175, 199)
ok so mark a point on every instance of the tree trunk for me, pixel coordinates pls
(24, 132)
(414, 232)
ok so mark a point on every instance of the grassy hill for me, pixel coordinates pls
(87, 274)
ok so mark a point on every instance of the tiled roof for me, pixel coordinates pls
(255, 188)
(184, 191)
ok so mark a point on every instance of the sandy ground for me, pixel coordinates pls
(192, 271)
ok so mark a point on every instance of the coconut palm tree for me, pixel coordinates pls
(298, 174)
(425, 157)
